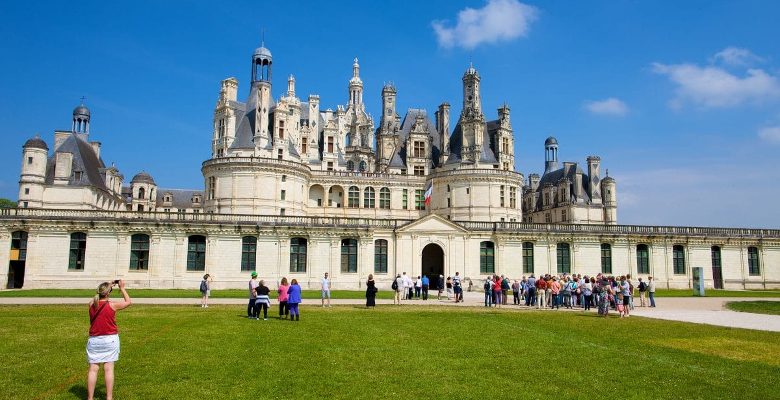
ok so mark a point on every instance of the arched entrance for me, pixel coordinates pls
(433, 263)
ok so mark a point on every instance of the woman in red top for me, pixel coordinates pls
(103, 343)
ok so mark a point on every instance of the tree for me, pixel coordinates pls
(7, 203)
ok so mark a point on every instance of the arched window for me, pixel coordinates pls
(528, 258)
(606, 258)
(487, 260)
(19, 246)
(196, 253)
(348, 255)
(350, 165)
(678, 259)
(564, 258)
(642, 259)
(298, 255)
(380, 256)
(141, 193)
(754, 267)
(248, 253)
(362, 167)
(78, 250)
(139, 252)
(384, 198)
(353, 201)
(369, 197)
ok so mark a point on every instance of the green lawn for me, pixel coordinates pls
(315, 294)
(757, 307)
(178, 352)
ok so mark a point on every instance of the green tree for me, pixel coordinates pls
(7, 203)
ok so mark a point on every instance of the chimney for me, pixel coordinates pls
(95, 148)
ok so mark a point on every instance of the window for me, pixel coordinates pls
(362, 166)
(353, 201)
(211, 189)
(284, 178)
(642, 259)
(280, 155)
(330, 165)
(26, 190)
(304, 146)
(139, 252)
(564, 258)
(29, 160)
(298, 255)
(563, 215)
(606, 258)
(419, 200)
(330, 144)
(678, 259)
(349, 255)
(369, 197)
(419, 149)
(405, 199)
(350, 165)
(512, 197)
(487, 261)
(505, 145)
(283, 195)
(468, 190)
(380, 256)
(384, 198)
(140, 207)
(528, 258)
(141, 193)
(281, 129)
(19, 243)
(501, 195)
(248, 253)
(78, 249)
(754, 268)
(282, 211)
(419, 170)
(547, 218)
(196, 253)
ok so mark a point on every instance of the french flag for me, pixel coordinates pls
(428, 195)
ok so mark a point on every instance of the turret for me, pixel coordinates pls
(260, 95)
(291, 86)
(35, 153)
(471, 95)
(609, 192)
(356, 86)
(505, 143)
(144, 192)
(550, 155)
(81, 117)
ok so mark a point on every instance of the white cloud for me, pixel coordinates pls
(770, 134)
(714, 87)
(736, 57)
(497, 20)
(610, 106)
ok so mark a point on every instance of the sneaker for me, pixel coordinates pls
(265, 319)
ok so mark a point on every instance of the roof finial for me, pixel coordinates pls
(607, 172)
(262, 37)
(82, 100)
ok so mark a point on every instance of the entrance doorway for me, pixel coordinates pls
(433, 263)
(16, 260)
(15, 275)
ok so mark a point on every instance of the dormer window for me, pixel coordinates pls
(196, 199)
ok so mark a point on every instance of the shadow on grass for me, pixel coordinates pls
(80, 391)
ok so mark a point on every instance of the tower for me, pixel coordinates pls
(143, 192)
(471, 95)
(550, 155)
(386, 140)
(224, 118)
(443, 126)
(35, 153)
(356, 87)
(505, 143)
(260, 99)
(472, 120)
(81, 119)
(608, 190)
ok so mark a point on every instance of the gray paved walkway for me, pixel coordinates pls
(706, 310)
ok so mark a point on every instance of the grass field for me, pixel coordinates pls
(176, 352)
(315, 294)
(757, 307)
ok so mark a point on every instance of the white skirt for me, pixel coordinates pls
(102, 349)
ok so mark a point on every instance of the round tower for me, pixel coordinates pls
(261, 64)
(144, 192)
(609, 193)
(81, 117)
(35, 154)
(550, 155)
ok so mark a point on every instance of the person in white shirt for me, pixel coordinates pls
(408, 287)
(325, 290)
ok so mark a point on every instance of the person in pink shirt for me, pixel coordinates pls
(555, 287)
(497, 293)
(284, 311)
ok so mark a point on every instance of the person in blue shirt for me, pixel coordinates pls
(426, 283)
(293, 299)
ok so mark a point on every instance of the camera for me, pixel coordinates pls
(115, 282)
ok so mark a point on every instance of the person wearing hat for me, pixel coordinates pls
(250, 309)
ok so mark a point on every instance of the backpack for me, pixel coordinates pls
(642, 286)
(487, 285)
(394, 285)
(203, 286)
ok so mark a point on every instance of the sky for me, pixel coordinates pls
(681, 100)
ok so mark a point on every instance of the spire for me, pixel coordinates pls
(291, 86)
(356, 69)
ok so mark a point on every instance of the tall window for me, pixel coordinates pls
(139, 252)
(353, 201)
(419, 200)
(715, 254)
(304, 145)
(350, 165)
(754, 268)
(330, 144)
(678, 259)
(487, 259)
(380, 256)
(505, 145)
(19, 246)
(384, 198)
(405, 199)
(196, 253)
(348, 255)
(298, 255)
(501, 195)
(419, 149)
(512, 197)
(528, 258)
(564, 258)
(212, 187)
(248, 253)
(606, 258)
(642, 259)
(369, 197)
(141, 193)
(78, 250)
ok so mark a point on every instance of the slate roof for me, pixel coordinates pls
(456, 144)
(85, 160)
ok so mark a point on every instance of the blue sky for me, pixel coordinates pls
(680, 99)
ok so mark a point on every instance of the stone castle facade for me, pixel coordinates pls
(293, 190)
